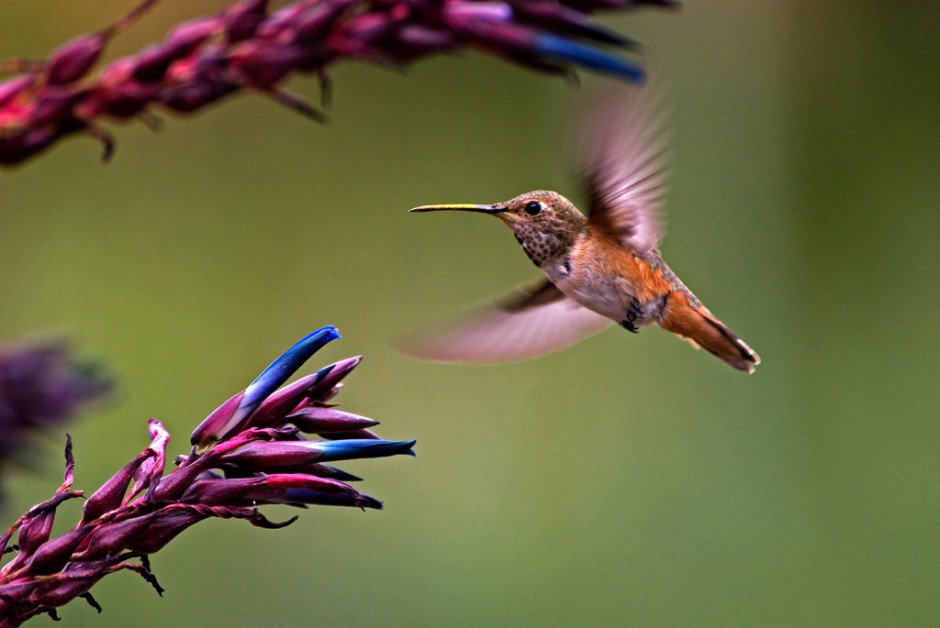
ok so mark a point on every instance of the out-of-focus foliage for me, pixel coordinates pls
(627, 480)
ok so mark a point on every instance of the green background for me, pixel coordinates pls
(626, 481)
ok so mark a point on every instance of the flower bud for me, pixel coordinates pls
(259, 489)
(73, 59)
(241, 20)
(110, 538)
(52, 555)
(11, 88)
(317, 420)
(111, 494)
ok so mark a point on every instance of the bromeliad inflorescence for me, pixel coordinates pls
(249, 47)
(249, 452)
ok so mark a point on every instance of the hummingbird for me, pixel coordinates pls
(601, 269)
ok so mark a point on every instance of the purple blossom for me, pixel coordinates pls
(41, 387)
(249, 47)
(251, 451)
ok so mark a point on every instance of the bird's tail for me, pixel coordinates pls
(697, 325)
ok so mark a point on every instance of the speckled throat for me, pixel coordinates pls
(551, 238)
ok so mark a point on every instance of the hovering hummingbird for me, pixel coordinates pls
(600, 269)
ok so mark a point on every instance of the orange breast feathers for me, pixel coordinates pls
(609, 258)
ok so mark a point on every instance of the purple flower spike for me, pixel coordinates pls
(249, 47)
(255, 455)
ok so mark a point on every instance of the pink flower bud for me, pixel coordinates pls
(241, 20)
(52, 555)
(317, 420)
(111, 538)
(215, 426)
(111, 494)
(73, 59)
(13, 87)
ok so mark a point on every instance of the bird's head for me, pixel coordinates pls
(545, 223)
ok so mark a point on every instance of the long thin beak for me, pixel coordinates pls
(458, 207)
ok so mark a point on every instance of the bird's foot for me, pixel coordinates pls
(629, 323)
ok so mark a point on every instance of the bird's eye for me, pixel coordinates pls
(533, 207)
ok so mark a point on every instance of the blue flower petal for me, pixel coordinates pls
(362, 448)
(303, 496)
(282, 368)
(560, 48)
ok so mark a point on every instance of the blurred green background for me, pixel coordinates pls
(626, 481)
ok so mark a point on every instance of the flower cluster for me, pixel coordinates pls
(249, 47)
(247, 453)
(42, 386)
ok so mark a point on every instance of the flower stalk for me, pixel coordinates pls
(249, 47)
(250, 452)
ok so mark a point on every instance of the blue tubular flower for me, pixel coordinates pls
(258, 455)
(302, 497)
(257, 436)
(555, 47)
(361, 448)
(282, 368)
(542, 35)
(568, 21)
(232, 414)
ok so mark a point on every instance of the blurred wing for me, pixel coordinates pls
(538, 319)
(622, 156)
